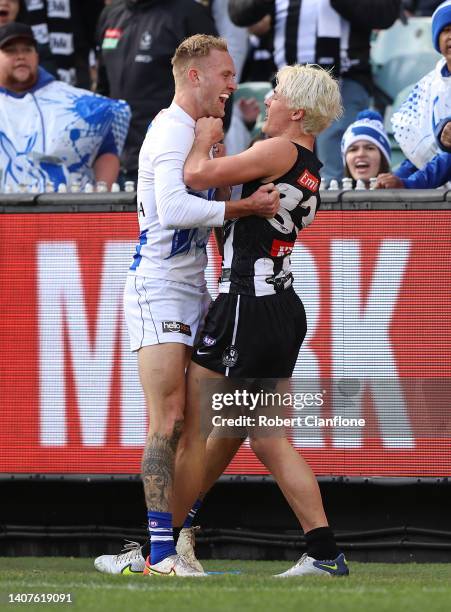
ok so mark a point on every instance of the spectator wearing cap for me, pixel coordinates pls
(365, 148)
(422, 124)
(15, 10)
(52, 132)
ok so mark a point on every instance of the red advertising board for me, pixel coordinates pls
(377, 290)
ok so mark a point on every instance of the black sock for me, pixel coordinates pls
(321, 544)
(176, 531)
(145, 549)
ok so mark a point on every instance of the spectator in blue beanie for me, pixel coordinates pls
(365, 148)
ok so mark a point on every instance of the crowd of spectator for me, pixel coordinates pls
(80, 82)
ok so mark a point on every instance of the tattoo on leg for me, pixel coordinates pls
(157, 468)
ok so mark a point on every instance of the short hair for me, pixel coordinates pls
(312, 89)
(195, 47)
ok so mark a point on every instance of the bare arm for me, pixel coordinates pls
(268, 158)
(106, 168)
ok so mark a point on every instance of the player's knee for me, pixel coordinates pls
(261, 447)
(169, 425)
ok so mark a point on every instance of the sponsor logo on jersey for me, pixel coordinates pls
(280, 248)
(154, 523)
(35, 5)
(143, 59)
(176, 327)
(307, 180)
(67, 76)
(111, 38)
(146, 41)
(230, 356)
(60, 9)
(41, 33)
(209, 341)
(61, 43)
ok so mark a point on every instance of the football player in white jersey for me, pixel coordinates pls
(255, 328)
(166, 297)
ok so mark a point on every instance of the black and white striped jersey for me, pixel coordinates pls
(256, 250)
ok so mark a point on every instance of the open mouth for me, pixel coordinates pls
(4, 13)
(362, 165)
(223, 98)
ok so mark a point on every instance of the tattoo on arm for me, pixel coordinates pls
(157, 468)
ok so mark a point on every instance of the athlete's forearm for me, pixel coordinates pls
(178, 209)
(106, 168)
(195, 167)
(235, 209)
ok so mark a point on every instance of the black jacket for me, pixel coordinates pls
(363, 15)
(136, 43)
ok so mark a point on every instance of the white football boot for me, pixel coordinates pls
(185, 547)
(129, 561)
(175, 565)
(310, 566)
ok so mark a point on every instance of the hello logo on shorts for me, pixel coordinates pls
(175, 327)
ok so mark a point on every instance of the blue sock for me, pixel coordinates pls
(161, 536)
(192, 513)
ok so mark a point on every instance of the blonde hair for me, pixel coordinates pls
(192, 48)
(312, 89)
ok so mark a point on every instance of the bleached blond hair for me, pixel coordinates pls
(192, 48)
(312, 89)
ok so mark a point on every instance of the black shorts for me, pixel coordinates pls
(252, 337)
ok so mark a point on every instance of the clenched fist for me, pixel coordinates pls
(265, 201)
(209, 130)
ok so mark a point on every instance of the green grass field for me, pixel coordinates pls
(370, 588)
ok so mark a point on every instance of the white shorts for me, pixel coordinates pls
(159, 311)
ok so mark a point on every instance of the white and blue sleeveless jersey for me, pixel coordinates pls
(174, 223)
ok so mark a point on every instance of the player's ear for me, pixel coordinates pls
(297, 115)
(193, 75)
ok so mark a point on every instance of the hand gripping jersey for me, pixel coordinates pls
(256, 250)
(174, 224)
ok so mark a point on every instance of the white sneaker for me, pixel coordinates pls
(185, 547)
(308, 565)
(175, 565)
(129, 561)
